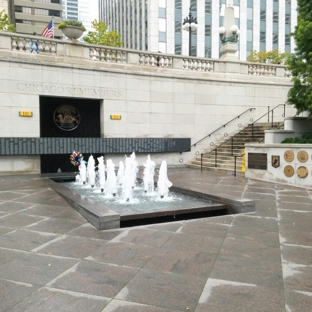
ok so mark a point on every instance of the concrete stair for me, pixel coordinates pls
(225, 157)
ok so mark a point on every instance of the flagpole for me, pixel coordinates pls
(53, 26)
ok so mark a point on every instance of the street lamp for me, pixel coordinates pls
(190, 24)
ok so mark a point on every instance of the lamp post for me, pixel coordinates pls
(190, 24)
(229, 34)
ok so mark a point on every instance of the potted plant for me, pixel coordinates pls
(71, 29)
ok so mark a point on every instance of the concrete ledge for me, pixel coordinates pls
(235, 204)
(98, 215)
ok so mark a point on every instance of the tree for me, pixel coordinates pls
(5, 23)
(103, 36)
(299, 62)
(272, 57)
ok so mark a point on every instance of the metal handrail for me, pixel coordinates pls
(223, 126)
(231, 138)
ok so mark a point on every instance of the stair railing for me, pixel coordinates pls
(223, 126)
(268, 113)
(232, 138)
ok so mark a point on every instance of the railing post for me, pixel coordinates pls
(284, 111)
(252, 131)
(234, 166)
(268, 113)
(232, 145)
(201, 162)
(272, 117)
(216, 156)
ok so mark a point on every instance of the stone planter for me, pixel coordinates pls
(72, 32)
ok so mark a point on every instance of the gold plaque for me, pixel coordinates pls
(302, 156)
(67, 117)
(289, 171)
(302, 172)
(289, 156)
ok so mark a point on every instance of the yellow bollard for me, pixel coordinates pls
(244, 162)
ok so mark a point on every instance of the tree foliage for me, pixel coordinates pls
(300, 62)
(273, 57)
(103, 36)
(5, 23)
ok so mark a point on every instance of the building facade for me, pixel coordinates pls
(156, 25)
(30, 16)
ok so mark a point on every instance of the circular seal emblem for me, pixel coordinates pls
(289, 156)
(302, 156)
(67, 117)
(302, 172)
(289, 171)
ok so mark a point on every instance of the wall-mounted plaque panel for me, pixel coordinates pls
(257, 161)
(289, 171)
(302, 172)
(275, 161)
(289, 156)
(302, 156)
(56, 146)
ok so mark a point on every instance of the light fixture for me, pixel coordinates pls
(190, 24)
(233, 32)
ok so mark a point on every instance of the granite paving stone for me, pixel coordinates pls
(182, 262)
(126, 306)
(133, 255)
(297, 254)
(226, 296)
(11, 207)
(34, 269)
(18, 220)
(55, 225)
(12, 292)
(94, 278)
(6, 255)
(50, 299)
(69, 246)
(298, 301)
(162, 289)
(24, 239)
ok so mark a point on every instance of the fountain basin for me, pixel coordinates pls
(104, 216)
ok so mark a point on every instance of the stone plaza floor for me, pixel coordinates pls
(52, 259)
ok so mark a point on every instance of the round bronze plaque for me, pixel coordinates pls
(289, 171)
(302, 172)
(302, 156)
(67, 117)
(289, 156)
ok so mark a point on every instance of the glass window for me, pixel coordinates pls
(177, 49)
(287, 39)
(208, 7)
(262, 36)
(162, 36)
(249, 24)
(177, 26)
(178, 15)
(249, 34)
(262, 15)
(207, 52)
(275, 27)
(249, 3)
(249, 13)
(287, 48)
(207, 18)
(178, 4)
(249, 46)
(287, 18)
(287, 29)
(275, 17)
(194, 40)
(275, 7)
(162, 12)
(221, 20)
(54, 13)
(275, 37)
(193, 50)
(262, 46)
(263, 5)
(262, 26)
(236, 2)
(207, 41)
(207, 30)
(178, 38)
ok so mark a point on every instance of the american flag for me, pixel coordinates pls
(48, 31)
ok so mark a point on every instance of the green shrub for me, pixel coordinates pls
(71, 23)
(304, 139)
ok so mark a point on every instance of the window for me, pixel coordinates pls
(249, 35)
(178, 15)
(287, 18)
(207, 52)
(275, 37)
(208, 7)
(178, 39)
(275, 17)
(162, 12)
(177, 26)
(21, 9)
(262, 36)
(249, 13)
(287, 39)
(177, 49)
(262, 15)
(208, 30)
(236, 2)
(178, 4)
(162, 36)
(249, 3)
